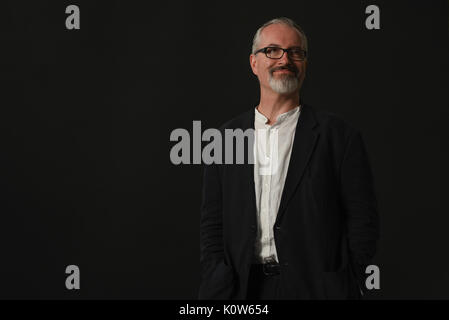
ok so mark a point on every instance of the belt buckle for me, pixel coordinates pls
(270, 266)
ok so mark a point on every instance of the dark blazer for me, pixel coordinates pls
(326, 228)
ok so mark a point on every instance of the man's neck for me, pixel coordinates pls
(273, 104)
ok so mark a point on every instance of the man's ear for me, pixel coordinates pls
(252, 62)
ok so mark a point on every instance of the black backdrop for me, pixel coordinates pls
(86, 117)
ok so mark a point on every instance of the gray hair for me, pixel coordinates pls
(285, 21)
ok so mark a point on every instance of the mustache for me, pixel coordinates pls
(286, 67)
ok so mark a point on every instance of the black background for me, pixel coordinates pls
(86, 117)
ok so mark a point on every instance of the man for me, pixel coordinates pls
(308, 228)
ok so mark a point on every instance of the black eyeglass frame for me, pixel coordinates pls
(264, 50)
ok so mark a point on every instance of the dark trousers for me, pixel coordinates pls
(262, 286)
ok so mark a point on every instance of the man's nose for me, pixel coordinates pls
(285, 60)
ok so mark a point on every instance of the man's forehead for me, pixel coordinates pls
(280, 34)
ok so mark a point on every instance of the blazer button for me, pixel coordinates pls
(253, 228)
(278, 228)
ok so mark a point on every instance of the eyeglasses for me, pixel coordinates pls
(294, 53)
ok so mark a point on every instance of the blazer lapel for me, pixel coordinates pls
(303, 146)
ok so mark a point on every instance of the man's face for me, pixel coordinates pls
(283, 75)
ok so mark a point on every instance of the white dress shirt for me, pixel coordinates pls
(272, 150)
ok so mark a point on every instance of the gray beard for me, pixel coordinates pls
(284, 84)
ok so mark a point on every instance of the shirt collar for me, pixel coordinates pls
(281, 118)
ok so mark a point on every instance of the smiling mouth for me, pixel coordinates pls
(285, 72)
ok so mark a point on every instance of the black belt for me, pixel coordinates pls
(268, 269)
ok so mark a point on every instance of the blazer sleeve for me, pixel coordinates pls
(211, 229)
(217, 278)
(359, 205)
